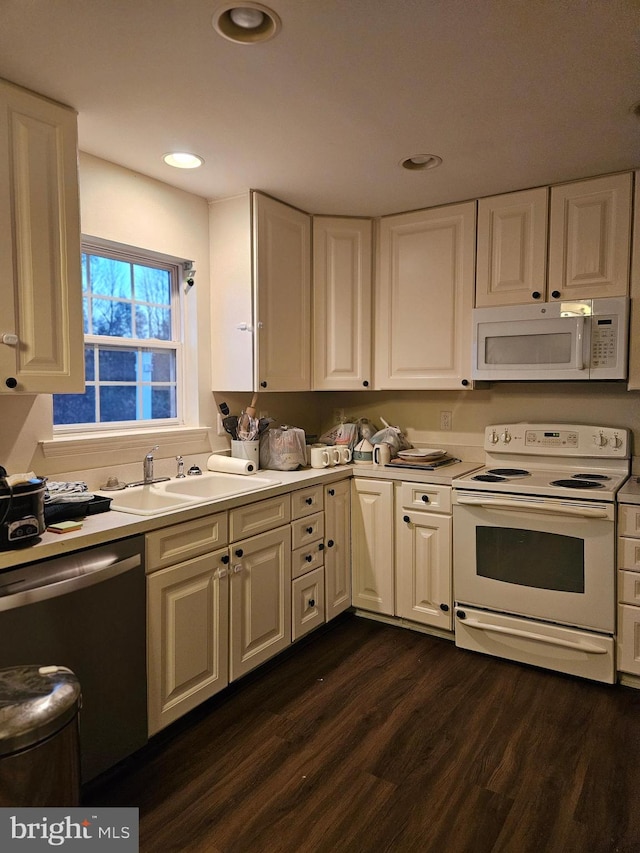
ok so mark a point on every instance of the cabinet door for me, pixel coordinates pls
(260, 599)
(511, 266)
(372, 545)
(337, 552)
(628, 641)
(282, 278)
(187, 646)
(41, 292)
(341, 303)
(589, 238)
(423, 568)
(425, 298)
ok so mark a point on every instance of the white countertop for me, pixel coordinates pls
(630, 492)
(107, 526)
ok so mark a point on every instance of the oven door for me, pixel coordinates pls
(542, 558)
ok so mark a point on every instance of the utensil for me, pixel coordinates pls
(264, 424)
(224, 409)
(230, 425)
(247, 423)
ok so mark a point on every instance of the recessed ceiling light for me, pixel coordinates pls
(245, 22)
(420, 162)
(182, 160)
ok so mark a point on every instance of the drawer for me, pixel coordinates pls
(307, 603)
(629, 553)
(307, 530)
(424, 496)
(258, 517)
(303, 560)
(306, 501)
(629, 588)
(629, 520)
(628, 639)
(182, 541)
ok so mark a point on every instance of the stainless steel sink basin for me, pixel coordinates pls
(215, 486)
(185, 492)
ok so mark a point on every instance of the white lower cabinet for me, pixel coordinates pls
(308, 603)
(188, 617)
(407, 574)
(628, 634)
(372, 545)
(337, 551)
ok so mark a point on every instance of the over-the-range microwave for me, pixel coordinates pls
(578, 339)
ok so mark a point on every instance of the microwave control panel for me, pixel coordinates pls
(604, 342)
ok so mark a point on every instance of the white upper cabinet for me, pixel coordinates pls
(511, 265)
(424, 298)
(41, 325)
(589, 238)
(342, 304)
(261, 311)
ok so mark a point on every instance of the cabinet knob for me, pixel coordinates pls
(465, 382)
(555, 294)
(263, 384)
(11, 382)
(309, 501)
(331, 492)
(330, 543)
(366, 383)
(312, 602)
(321, 546)
(425, 498)
(444, 608)
(238, 552)
(309, 558)
(309, 529)
(225, 560)
(406, 518)
(461, 614)
(536, 294)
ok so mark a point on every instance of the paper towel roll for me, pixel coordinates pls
(230, 465)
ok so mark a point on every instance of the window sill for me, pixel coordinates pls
(126, 444)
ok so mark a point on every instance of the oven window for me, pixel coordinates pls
(530, 558)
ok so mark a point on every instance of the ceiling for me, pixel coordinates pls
(510, 93)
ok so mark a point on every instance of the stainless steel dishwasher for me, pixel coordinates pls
(86, 610)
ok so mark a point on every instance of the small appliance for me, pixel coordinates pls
(21, 511)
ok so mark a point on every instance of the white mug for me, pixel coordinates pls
(320, 457)
(381, 454)
(343, 454)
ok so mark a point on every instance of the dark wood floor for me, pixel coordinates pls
(369, 738)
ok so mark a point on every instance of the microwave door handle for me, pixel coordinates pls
(580, 512)
(580, 365)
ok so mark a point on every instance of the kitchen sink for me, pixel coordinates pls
(214, 485)
(149, 500)
(185, 492)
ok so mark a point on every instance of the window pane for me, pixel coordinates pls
(158, 366)
(110, 277)
(152, 285)
(111, 318)
(117, 365)
(89, 365)
(75, 408)
(85, 315)
(163, 402)
(85, 273)
(153, 322)
(117, 403)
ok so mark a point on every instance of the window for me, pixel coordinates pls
(133, 343)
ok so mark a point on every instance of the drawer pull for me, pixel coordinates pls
(309, 501)
(225, 559)
(330, 543)
(312, 602)
(406, 518)
(309, 558)
(239, 552)
(332, 492)
(309, 529)
(425, 498)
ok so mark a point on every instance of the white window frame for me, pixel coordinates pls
(134, 255)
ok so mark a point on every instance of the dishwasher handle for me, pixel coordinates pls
(24, 592)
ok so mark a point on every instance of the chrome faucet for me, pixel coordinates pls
(180, 462)
(147, 466)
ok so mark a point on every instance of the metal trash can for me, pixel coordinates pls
(39, 743)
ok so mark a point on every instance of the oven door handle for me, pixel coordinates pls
(577, 645)
(580, 512)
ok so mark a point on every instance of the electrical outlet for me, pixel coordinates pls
(338, 416)
(219, 428)
(445, 421)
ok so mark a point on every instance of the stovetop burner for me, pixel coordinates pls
(509, 472)
(489, 478)
(590, 477)
(577, 484)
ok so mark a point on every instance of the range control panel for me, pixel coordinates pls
(558, 440)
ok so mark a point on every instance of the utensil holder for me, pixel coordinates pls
(247, 450)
